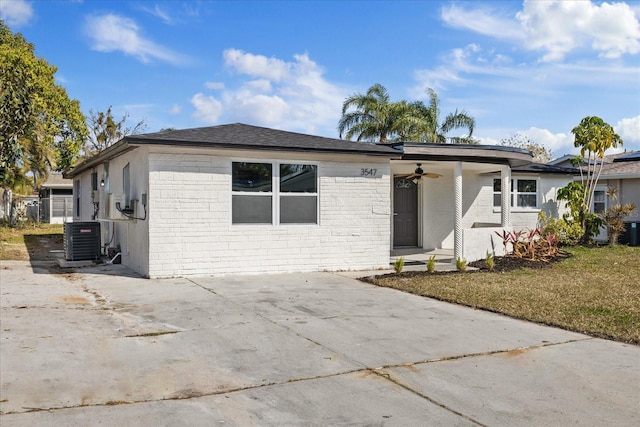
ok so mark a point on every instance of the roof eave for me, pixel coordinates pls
(107, 154)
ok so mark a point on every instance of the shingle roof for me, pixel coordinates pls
(546, 168)
(622, 168)
(242, 136)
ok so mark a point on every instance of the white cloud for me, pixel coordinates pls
(16, 13)
(208, 108)
(482, 20)
(175, 109)
(255, 65)
(558, 27)
(110, 33)
(214, 85)
(275, 93)
(558, 143)
(629, 130)
(463, 66)
(160, 13)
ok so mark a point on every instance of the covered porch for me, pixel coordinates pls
(445, 200)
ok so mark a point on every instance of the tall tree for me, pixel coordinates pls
(373, 117)
(41, 129)
(367, 117)
(438, 131)
(594, 137)
(106, 131)
(541, 154)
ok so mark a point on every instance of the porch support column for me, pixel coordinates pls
(505, 205)
(457, 218)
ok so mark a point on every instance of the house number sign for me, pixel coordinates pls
(371, 173)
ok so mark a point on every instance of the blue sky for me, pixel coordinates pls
(534, 67)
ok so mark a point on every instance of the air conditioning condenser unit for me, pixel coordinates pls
(81, 241)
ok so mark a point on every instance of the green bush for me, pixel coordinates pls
(568, 232)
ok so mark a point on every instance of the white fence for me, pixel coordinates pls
(54, 210)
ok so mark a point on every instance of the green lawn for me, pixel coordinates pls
(596, 291)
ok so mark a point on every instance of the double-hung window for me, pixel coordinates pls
(524, 193)
(599, 201)
(268, 193)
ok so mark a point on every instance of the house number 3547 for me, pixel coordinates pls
(368, 172)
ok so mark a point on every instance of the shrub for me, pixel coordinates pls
(567, 231)
(398, 265)
(531, 244)
(613, 218)
(461, 264)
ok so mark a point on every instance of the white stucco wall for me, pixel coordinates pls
(190, 229)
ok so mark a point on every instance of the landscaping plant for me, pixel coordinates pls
(490, 261)
(613, 218)
(531, 244)
(568, 233)
(461, 264)
(398, 265)
(431, 264)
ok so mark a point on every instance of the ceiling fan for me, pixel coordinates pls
(419, 173)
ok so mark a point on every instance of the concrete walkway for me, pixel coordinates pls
(103, 346)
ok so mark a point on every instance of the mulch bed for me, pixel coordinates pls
(510, 263)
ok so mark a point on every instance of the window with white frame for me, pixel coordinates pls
(262, 192)
(524, 192)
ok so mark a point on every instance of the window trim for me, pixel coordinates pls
(276, 193)
(514, 194)
(605, 201)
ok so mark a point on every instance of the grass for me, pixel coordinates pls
(29, 241)
(596, 291)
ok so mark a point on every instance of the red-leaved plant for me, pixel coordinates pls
(530, 244)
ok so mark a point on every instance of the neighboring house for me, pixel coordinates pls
(56, 199)
(623, 175)
(245, 199)
(620, 172)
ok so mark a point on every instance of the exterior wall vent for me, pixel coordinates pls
(81, 241)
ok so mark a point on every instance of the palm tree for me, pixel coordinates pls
(370, 118)
(373, 117)
(436, 131)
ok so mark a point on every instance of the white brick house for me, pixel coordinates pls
(235, 199)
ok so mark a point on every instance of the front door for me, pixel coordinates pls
(405, 212)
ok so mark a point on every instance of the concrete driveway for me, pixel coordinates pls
(103, 346)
